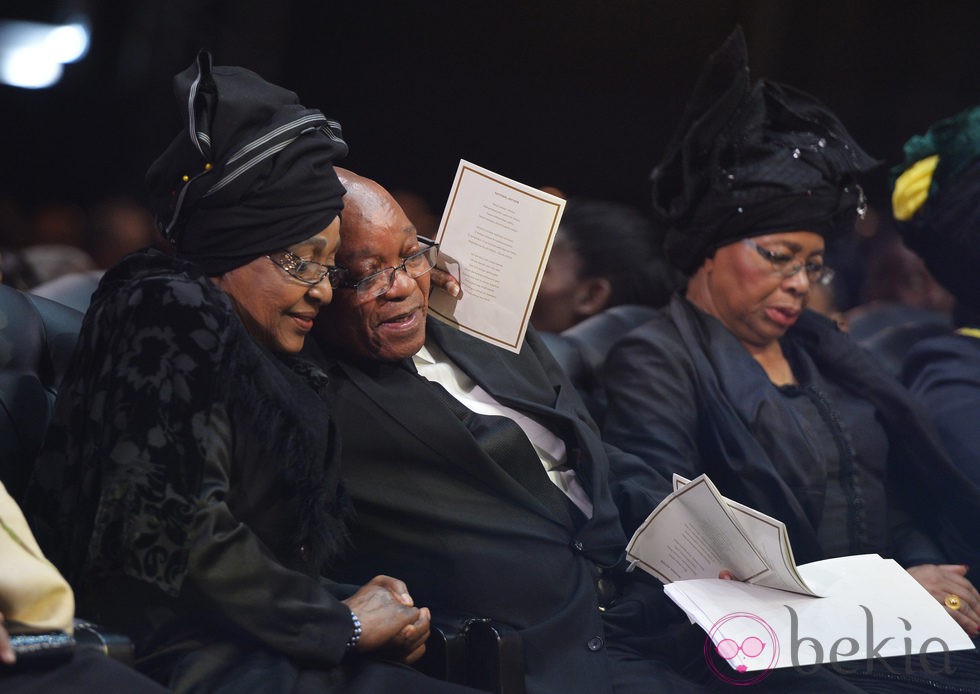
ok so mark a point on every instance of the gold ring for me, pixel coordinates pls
(952, 601)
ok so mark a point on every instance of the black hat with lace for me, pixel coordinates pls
(751, 159)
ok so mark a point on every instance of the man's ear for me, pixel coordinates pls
(592, 296)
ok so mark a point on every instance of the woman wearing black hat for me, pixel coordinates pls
(189, 487)
(738, 380)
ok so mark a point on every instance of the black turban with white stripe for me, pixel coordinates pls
(250, 173)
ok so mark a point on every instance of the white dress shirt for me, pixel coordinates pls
(433, 364)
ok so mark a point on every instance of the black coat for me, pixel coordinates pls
(469, 536)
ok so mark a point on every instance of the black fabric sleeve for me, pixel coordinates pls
(652, 413)
(239, 577)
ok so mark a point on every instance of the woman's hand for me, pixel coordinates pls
(390, 621)
(445, 281)
(944, 580)
(7, 655)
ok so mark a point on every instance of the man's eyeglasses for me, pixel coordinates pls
(783, 265)
(306, 271)
(380, 282)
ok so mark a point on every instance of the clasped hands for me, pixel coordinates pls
(391, 625)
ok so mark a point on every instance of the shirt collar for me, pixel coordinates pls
(423, 357)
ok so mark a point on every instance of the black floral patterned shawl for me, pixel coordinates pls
(165, 386)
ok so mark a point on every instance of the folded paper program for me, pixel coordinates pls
(695, 532)
(780, 615)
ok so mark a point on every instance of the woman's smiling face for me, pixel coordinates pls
(276, 308)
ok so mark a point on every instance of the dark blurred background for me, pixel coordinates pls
(577, 94)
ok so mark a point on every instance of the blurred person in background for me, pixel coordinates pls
(904, 302)
(605, 254)
(115, 228)
(606, 274)
(936, 202)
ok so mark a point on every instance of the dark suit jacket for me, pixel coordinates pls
(468, 535)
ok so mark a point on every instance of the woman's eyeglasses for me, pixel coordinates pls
(306, 271)
(783, 265)
(380, 282)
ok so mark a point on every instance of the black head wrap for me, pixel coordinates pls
(752, 159)
(936, 201)
(250, 173)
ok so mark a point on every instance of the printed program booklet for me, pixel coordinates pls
(781, 614)
(494, 238)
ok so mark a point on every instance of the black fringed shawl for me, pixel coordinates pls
(166, 382)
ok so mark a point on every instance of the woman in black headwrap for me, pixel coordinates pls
(738, 380)
(936, 202)
(189, 487)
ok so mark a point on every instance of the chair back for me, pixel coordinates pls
(581, 350)
(37, 338)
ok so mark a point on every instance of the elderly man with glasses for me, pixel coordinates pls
(476, 473)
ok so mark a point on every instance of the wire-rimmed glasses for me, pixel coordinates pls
(783, 265)
(307, 271)
(380, 282)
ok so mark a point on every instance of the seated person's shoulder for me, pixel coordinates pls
(942, 358)
(657, 333)
(179, 306)
(954, 345)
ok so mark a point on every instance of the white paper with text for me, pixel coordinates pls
(495, 237)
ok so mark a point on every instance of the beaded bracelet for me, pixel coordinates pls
(356, 636)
